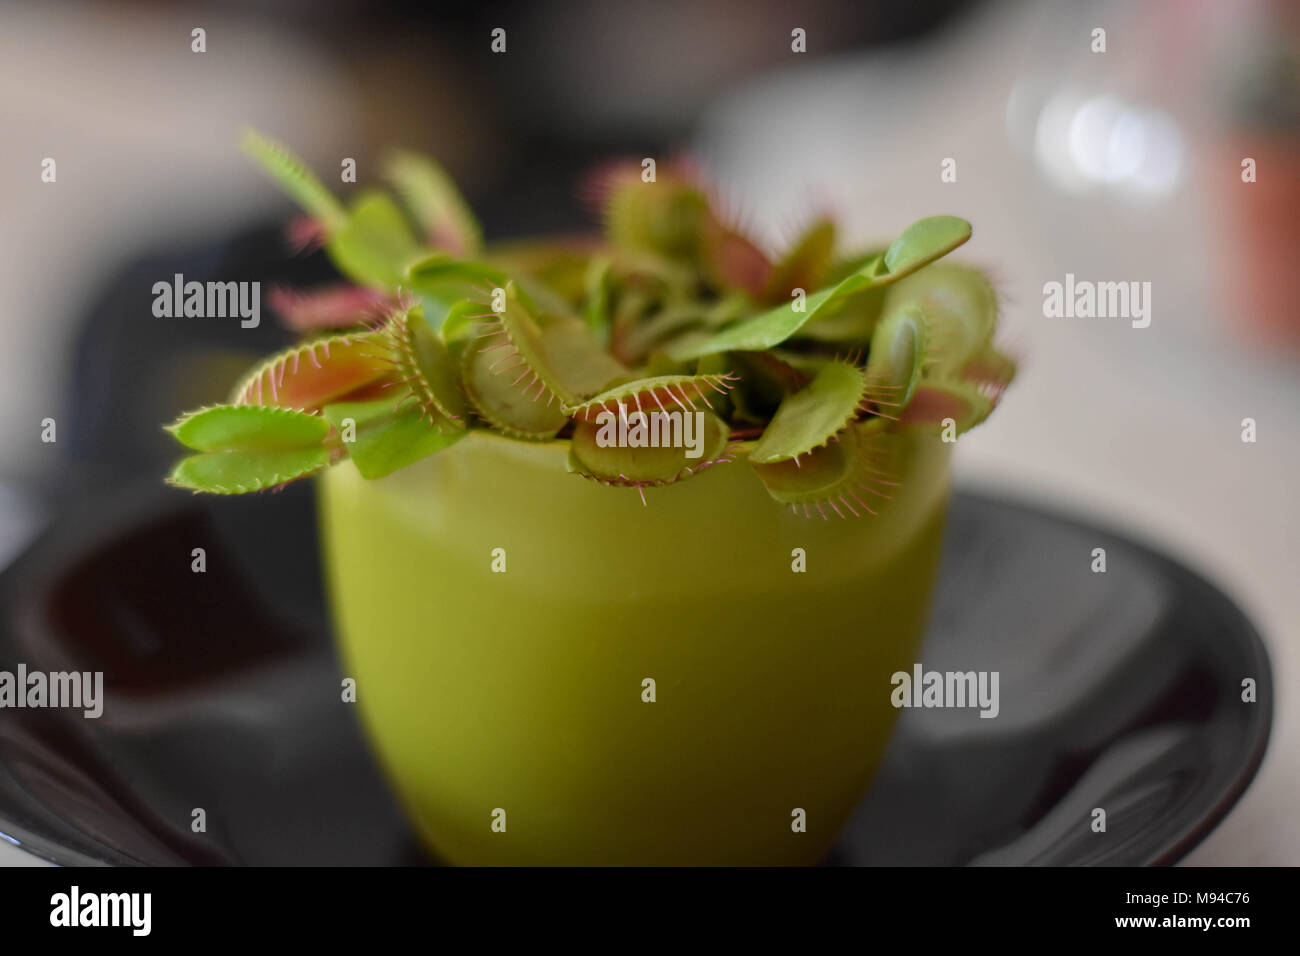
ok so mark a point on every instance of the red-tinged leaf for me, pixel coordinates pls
(312, 375)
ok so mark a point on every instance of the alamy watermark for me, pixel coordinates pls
(208, 300)
(639, 429)
(83, 690)
(923, 688)
(1085, 299)
(133, 911)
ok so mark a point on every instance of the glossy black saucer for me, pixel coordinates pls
(1119, 690)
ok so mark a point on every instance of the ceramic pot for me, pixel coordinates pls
(502, 619)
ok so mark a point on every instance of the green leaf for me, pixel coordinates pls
(500, 400)
(766, 330)
(374, 245)
(436, 203)
(844, 267)
(849, 320)
(812, 416)
(426, 369)
(387, 438)
(563, 362)
(848, 477)
(460, 322)
(598, 283)
(296, 179)
(240, 471)
(920, 244)
(924, 241)
(824, 472)
(898, 350)
(508, 378)
(595, 452)
(576, 362)
(667, 217)
(805, 264)
(449, 280)
(960, 312)
(248, 428)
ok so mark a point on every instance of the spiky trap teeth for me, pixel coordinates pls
(671, 449)
(852, 475)
(313, 374)
(425, 369)
(662, 393)
(817, 360)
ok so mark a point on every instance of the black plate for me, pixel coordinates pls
(1119, 690)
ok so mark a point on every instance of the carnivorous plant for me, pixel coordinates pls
(808, 361)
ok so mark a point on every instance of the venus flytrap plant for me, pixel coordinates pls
(808, 365)
(542, 390)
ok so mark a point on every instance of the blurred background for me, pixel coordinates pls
(1122, 165)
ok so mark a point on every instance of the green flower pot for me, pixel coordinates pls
(524, 691)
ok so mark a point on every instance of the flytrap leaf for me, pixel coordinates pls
(447, 280)
(508, 378)
(426, 370)
(436, 204)
(814, 415)
(374, 245)
(461, 323)
(673, 218)
(503, 404)
(248, 428)
(936, 403)
(730, 259)
(991, 368)
(960, 311)
(380, 438)
(924, 241)
(850, 319)
(898, 350)
(320, 371)
(921, 243)
(296, 179)
(661, 393)
(619, 451)
(852, 475)
(248, 448)
(551, 369)
(239, 472)
(598, 288)
(575, 362)
(844, 267)
(804, 265)
(667, 217)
